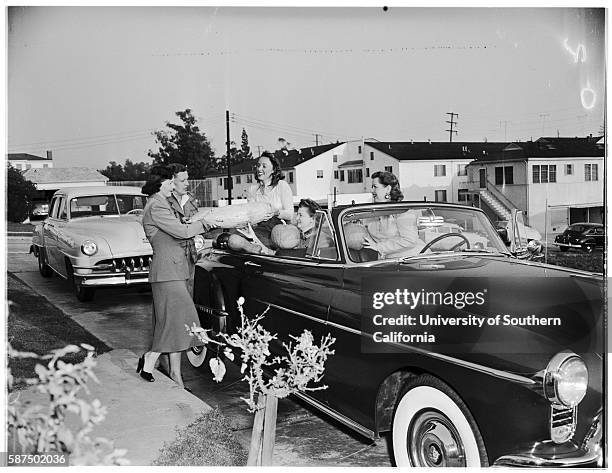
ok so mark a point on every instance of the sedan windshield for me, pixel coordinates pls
(105, 205)
(394, 231)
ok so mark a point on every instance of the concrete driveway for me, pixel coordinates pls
(121, 318)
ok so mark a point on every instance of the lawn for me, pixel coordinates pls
(593, 262)
(37, 326)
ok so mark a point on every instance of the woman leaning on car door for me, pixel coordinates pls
(169, 275)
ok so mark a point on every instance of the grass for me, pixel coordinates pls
(593, 262)
(208, 440)
(19, 227)
(37, 326)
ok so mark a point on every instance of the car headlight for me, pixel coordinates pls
(89, 248)
(566, 379)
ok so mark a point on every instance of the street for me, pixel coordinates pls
(121, 318)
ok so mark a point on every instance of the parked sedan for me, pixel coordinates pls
(583, 236)
(94, 237)
(501, 363)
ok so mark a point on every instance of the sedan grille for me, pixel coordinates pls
(129, 264)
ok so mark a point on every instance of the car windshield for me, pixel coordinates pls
(394, 231)
(106, 205)
(578, 228)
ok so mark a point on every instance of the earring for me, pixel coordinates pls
(387, 196)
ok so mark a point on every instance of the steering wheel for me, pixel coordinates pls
(135, 212)
(446, 235)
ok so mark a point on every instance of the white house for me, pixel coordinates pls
(25, 161)
(555, 181)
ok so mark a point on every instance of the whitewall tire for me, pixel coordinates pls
(433, 428)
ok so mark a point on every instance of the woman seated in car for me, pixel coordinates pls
(396, 234)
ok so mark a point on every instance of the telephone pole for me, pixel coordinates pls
(316, 139)
(259, 150)
(229, 166)
(452, 123)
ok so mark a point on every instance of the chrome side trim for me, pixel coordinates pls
(339, 417)
(457, 361)
(584, 457)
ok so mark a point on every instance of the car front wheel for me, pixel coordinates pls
(432, 427)
(588, 247)
(83, 293)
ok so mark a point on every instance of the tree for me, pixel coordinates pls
(130, 171)
(244, 147)
(184, 144)
(20, 193)
(237, 155)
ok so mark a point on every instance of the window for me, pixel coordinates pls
(569, 169)
(342, 175)
(355, 175)
(504, 175)
(439, 170)
(45, 165)
(499, 175)
(509, 174)
(590, 172)
(249, 178)
(542, 173)
(225, 183)
(18, 166)
(461, 170)
(367, 172)
(28, 166)
(441, 196)
(335, 158)
(336, 174)
(220, 181)
(55, 207)
(359, 149)
(371, 155)
(290, 177)
(63, 212)
(237, 179)
(463, 195)
(323, 246)
(389, 168)
(319, 173)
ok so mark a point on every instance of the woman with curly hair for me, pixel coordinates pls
(391, 235)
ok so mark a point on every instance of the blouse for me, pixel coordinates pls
(279, 196)
(393, 233)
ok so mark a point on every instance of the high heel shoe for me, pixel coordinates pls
(140, 364)
(143, 374)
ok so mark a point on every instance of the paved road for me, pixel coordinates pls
(121, 318)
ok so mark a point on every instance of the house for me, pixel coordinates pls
(25, 161)
(48, 180)
(308, 172)
(555, 181)
(427, 171)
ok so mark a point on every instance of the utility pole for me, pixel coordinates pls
(316, 139)
(259, 150)
(229, 167)
(452, 122)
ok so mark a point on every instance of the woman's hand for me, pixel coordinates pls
(368, 242)
(247, 231)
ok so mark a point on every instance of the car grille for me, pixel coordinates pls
(129, 264)
(562, 423)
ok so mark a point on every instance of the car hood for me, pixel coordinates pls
(124, 234)
(517, 289)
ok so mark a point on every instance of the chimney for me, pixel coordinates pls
(411, 142)
(429, 141)
(50, 155)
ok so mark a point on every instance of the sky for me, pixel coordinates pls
(91, 84)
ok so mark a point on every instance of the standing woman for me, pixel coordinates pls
(391, 235)
(169, 276)
(272, 189)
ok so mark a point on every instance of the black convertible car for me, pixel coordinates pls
(469, 355)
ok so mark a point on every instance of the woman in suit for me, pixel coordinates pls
(169, 275)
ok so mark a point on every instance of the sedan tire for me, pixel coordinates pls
(564, 248)
(588, 247)
(83, 293)
(432, 427)
(43, 268)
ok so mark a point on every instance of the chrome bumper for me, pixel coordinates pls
(571, 245)
(589, 454)
(113, 279)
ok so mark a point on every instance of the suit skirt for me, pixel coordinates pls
(173, 309)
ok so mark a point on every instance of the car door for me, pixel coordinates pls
(50, 231)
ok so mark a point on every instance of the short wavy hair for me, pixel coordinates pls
(157, 175)
(277, 174)
(387, 178)
(177, 167)
(311, 205)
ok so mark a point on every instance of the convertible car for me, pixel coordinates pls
(466, 353)
(94, 237)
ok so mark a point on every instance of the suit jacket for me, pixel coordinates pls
(183, 213)
(168, 237)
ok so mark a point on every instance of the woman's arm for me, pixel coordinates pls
(286, 197)
(407, 234)
(163, 217)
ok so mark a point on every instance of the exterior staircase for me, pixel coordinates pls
(495, 204)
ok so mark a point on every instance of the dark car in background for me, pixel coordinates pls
(522, 394)
(582, 236)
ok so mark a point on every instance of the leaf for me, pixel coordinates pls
(228, 353)
(218, 369)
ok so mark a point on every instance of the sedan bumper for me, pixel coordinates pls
(570, 245)
(113, 279)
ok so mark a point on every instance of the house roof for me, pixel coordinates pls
(549, 147)
(25, 157)
(49, 175)
(408, 150)
(289, 159)
(348, 164)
